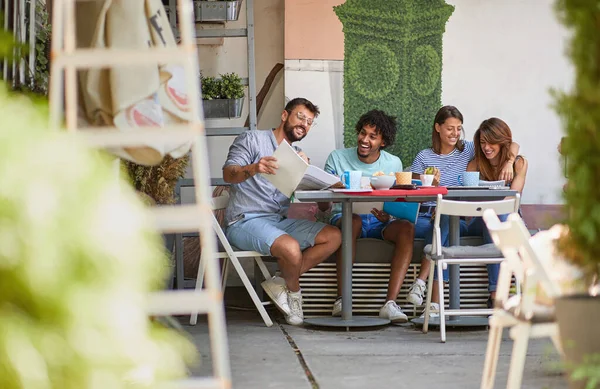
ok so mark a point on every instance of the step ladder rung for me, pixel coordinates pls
(182, 302)
(100, 58)
(180, 218)
(198, 383)
(105, 137)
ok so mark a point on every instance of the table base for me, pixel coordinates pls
(355, 322)
(457, 321)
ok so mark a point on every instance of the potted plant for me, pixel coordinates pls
(222, 97)
(578, 315)
(217, 10)
(155, 185)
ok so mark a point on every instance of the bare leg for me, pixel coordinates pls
(293, 262)
(289, 257)
(424, 270)
(356, 231)
(327, 241)
(423, 274)
(402, 233)
(435, 296)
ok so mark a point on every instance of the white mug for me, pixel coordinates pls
(427, 179)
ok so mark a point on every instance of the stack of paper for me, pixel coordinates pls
(295, 174)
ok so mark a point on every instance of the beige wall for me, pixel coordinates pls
(313, 30)
(231, 57)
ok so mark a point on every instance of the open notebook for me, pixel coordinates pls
(295, 174)
(402, 210)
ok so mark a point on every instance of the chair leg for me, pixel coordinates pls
(428, 299)
(248, 285)
(224, 273)
(556, 341)
(440, 282)
(262, 267)
(179, 277)
(520, 335)
(491, 357)
(199, 282)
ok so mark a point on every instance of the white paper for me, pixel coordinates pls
(291, 169)
(295, 174)
(317, 179)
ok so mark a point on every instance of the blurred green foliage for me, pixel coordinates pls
(579, 110)
(77, 261)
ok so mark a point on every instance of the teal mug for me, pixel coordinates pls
(469, 179)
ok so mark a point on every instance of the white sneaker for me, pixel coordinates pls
(434, 311)
(296, 316)
(393, 313)
(277, 291)
(337, 308)
(416, 292)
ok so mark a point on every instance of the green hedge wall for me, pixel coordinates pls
(393, 62)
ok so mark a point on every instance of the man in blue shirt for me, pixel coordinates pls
(375, 131)
(256, 216)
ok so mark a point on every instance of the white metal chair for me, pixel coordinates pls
(444, 256)
(521, 313)
(231, 256)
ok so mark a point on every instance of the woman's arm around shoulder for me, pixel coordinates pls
(472, 166)
(520, 166)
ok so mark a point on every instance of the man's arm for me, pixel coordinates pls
(234, 174)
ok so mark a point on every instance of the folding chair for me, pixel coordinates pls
(526, 318)
(231, 256)
(444, 256)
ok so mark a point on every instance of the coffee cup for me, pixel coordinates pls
(469, 179)
(351, 179)
(426, 179)
(403, 178)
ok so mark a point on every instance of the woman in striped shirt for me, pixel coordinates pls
(493, 142)
(449, 154)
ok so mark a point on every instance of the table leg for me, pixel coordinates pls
(346, 321)
(346, 260)
(454, 239)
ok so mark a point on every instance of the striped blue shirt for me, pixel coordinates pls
(450, 165)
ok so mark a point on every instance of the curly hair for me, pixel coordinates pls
(383, 123)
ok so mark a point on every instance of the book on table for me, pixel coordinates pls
(295, 174)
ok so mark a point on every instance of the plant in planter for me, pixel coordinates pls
(217, 10)
(222, 97)
(157, 182)
(580, 114)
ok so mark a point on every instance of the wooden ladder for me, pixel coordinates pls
(66, 60)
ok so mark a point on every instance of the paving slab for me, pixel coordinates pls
(285, 356)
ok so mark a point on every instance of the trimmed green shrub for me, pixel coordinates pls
(393, 62)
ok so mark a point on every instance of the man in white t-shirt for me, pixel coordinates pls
(375, 131)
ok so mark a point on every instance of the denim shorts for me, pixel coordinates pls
(257, 232)
(371, 226)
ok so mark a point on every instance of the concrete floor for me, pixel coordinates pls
(392, 356)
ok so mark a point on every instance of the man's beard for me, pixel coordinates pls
(289, 132)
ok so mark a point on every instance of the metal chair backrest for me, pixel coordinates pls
(469, 208)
